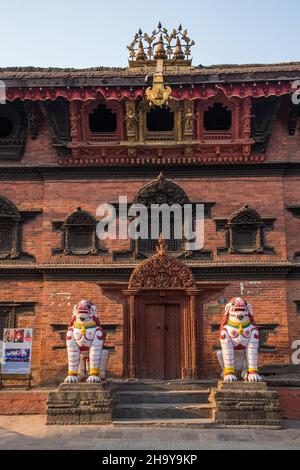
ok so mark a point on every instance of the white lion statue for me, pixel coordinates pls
(240, 343)
(85, 339)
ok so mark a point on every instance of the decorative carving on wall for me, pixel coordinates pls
(245, 216)
(162, 272)
(131, 120)
(189, 119)
(161, 191)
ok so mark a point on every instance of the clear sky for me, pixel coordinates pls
(90, 33)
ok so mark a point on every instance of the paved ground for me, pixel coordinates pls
(30, 432)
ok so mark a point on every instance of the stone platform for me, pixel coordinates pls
(88, 404)
(245, 404)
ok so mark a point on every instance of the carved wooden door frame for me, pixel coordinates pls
(190, 333)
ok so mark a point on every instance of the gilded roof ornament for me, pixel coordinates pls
(158, 94)
(173, 46)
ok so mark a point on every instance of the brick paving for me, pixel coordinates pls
(30, 432)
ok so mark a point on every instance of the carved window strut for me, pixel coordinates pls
(245, 229)
(80, 234)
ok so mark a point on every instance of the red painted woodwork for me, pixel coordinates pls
(204, 91)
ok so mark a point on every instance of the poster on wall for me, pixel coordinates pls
(16, 351)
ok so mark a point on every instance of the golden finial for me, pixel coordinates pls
(140, 55)
(161, 44)
(178, 54)
(160, 52)
(161, 246)
(161, 177)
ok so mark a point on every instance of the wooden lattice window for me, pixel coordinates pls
(9, 229)
(80, 233)
(245, 230)
(160, 192)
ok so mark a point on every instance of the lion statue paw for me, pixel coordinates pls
(93, 380)
(71, 380)
(230, 378)
(254, 378)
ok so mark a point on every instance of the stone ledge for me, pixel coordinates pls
(245, 404)
(77, 404)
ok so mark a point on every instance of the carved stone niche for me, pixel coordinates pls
(78, 234)
(13, 131)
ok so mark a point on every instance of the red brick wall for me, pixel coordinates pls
(273, 300)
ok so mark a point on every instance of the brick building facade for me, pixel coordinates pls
(70, 140)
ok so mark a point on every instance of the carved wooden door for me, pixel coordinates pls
(160, 341)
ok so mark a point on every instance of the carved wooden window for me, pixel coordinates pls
(245, 231)
(160, 192)
(160, 123)
(9, 229)
(102, 122)
(7, 318)
(13, 130)
(80, 234)
(217, 118)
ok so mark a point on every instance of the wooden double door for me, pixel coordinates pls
(160, 339)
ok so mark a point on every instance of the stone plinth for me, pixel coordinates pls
(245, 404)
(80, 404)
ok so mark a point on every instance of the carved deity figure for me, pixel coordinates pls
(240, 343)
(85, 339)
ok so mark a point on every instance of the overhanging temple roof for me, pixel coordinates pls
(211, 73)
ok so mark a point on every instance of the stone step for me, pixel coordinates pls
(156, 411)
(163, 397)
(177, 385)
(161, 423)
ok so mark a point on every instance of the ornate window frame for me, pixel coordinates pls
(245, 219)
(77, 221)
(10, 217)
(110, 137)
(233, 133)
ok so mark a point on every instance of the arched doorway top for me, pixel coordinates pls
(162, 272)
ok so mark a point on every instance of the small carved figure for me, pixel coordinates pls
(240, 343)
(85, 339)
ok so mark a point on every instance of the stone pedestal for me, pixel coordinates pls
(245, 404)
(80, 404)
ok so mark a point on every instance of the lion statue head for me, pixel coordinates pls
(85, 312)
(238, 311)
